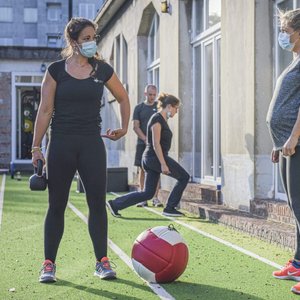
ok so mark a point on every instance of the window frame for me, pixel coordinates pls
(153, 59)
(54, 11)
(86, 8)
(8, 16)
(31, 11)
(212, 35)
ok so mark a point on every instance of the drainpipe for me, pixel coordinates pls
(70, 9)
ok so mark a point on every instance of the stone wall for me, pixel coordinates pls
(5, 117)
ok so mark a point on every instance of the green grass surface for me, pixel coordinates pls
(214, 271)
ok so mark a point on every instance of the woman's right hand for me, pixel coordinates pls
(165, 169)
(275, 156)
(36, 156)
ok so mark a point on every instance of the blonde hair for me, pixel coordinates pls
(164, 99)
(72, 32)
(290, 18)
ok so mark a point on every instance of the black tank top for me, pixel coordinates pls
(77, 101)
(165, 137)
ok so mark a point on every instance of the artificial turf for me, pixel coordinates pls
(214, 271)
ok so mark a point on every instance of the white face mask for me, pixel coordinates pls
(88, 49)
(284, 41)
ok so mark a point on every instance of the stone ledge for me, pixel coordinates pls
(273, 232)
(270, 230)
(274, 210)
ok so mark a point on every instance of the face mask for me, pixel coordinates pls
(88, 49)
(284, 41)
(168, 114)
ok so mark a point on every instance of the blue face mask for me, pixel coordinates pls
(88, 49)
(284, 41)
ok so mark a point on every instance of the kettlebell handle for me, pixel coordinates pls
(39, 169)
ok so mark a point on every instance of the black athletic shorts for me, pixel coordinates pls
(140, 148)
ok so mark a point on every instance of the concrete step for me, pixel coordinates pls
(270, 231)
(269, 220)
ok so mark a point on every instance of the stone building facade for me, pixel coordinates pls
(221, 58)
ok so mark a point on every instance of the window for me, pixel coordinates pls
(54, 11)
(119, 58)
(30, 42)
(6, 14)
(206, 91)
(52, 41)
(153, 52)
(87, 10)
(30, 15)
(6, 41)
(205, 14)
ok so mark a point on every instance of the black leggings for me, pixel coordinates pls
(152, 174)
(289, 171)
(65, 155)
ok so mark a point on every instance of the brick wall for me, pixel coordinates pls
(5, 119)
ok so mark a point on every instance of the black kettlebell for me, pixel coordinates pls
(38, 181)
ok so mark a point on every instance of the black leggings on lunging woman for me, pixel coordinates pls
(152, 174)
(65, 155)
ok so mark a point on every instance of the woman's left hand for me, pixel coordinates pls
(288, 148)
(114, 134)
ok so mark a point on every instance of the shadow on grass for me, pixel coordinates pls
(191, 291)
(101, 291)
(179, 290)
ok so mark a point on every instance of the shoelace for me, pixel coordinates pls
(107, 264)
(49, 267)
(288, 264)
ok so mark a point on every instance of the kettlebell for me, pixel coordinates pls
(38, 181)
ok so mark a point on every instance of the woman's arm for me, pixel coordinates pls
(44, 115)
(117, 89)
(289, 146)
(156, 134)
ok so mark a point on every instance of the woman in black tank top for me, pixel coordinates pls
(71, 99)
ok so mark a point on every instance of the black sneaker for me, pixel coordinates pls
(113, 211)
(172, 212)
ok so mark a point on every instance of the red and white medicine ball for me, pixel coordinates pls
(159, 254)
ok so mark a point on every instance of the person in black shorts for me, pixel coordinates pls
(71, 95)
(156, 161)
(141, 115)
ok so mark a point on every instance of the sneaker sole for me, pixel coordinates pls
(296, 278)
(111, 210)
(108, 277)
(47, 280)
(295, 291)
(172, 215)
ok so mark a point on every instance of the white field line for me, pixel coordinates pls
(156, 288)
(215, 238)
(2, 197)
(228, 244)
